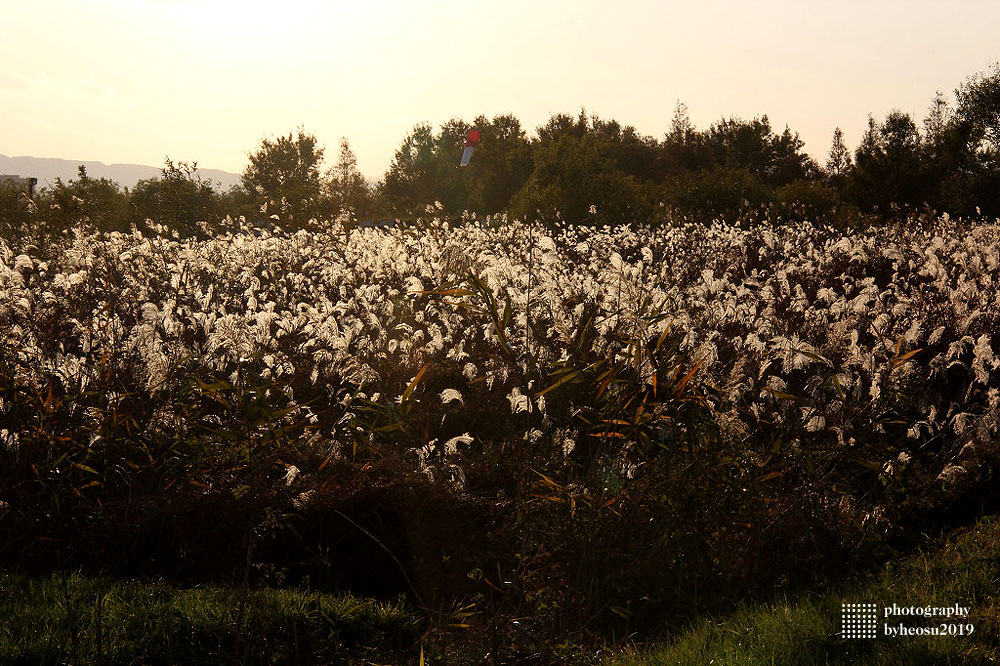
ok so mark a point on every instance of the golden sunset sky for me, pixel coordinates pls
(206, 80)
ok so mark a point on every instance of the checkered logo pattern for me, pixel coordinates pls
(859, 621)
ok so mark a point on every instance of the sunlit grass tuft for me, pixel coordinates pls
(806, 630)
(69, 618)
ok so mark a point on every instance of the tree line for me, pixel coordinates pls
(578, 168)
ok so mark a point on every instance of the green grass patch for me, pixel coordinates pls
(806, 630)
(70, 618)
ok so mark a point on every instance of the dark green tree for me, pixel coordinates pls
(500, 166)
(410, 183)
(236, 202)
(974, 143)
(730, 193)
(733, 169)
(98, 202)
(752, 145)
(979, 107)
(284, 178)
(452, 183)
(18, 213)
(179, 198)
(574, 173)
(944, 156)
(426, 168)
(888, 166)
(633, 154)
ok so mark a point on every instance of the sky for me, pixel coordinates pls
(208, 80)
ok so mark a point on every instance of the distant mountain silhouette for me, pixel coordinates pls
(47, 169)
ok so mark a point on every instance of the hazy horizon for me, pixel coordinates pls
(131, 82)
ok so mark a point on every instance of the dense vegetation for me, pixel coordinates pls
(542, 434)
(803, 629)
(546, 436)
(580, 169)
(68, 618)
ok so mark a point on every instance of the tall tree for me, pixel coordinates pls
(937, 120)
(348, 190)
(425, 168)
(979, 107)
(888, 165)
(284, 177)
(409, 184)
(681, 129)
(976, 140)
(838, 160)
(684, 149)
(501, 165)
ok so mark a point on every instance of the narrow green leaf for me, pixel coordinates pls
(562, 381)
(413, 385)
